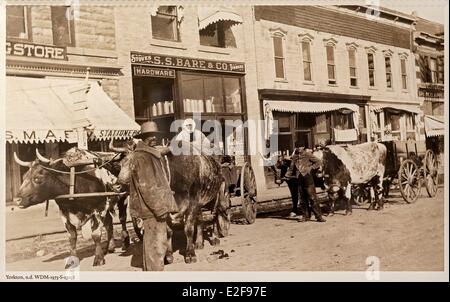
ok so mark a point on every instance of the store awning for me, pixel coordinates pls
(44, 110)
(306, 107)
(403, 107)
(434, 126)
(208, 15)
(294, 106)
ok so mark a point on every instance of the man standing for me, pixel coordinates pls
(151, 199)
(306, 162)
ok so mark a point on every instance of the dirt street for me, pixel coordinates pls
(406, 237)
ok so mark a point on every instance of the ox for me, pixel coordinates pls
(197, 182)
(353, 165)
(46, 179)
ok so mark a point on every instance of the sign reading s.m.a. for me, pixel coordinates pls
(186, 63)
(24, 49)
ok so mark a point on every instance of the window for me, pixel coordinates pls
(17, 22)
(371, 65)
(331, 65)
(211, 94)
(352, 66)
(440, 70)
(404, 75)
(307, 64)
(387, 64)
(392, 128)
(279, 57)
(218, 34)
(63, 26)
(164, 23)
(410, 126)
(433, 70)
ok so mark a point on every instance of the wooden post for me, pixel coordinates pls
(72, 182)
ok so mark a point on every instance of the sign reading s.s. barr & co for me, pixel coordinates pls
(186, 63)
(24, 49)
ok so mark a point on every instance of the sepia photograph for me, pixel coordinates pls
(224, 136)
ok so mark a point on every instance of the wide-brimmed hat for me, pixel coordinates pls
(147, 129)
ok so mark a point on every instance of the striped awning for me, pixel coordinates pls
(402, 107)
(312, 107)
(49, 110)
(434, 126)
(208, 15)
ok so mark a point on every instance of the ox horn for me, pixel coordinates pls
(116, 149)
(21, 162)
(41, 157)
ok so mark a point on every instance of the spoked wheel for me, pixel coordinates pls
(248, 193)
(138, 230)
(361, 196)
(431, 173)
(409, 181)
(224, 212)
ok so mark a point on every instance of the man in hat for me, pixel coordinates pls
(151, 199)
(306, 162)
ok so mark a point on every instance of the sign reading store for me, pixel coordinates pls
(24, 49)
(186, 63)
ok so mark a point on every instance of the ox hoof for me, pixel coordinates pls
(348, 213)
(169, 259)
(98, 261)
(199, 245)
(331, 214)
(190, 259)
(215, 241)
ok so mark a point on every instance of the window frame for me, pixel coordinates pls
(355, 67)
(70, 26)
(282, 37)
(386, 59)
(371, 51)
(306, 40)
(27, 25)
(177, 26)
(404, 73)
(331, 81)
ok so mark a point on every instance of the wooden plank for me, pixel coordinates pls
(87, 195)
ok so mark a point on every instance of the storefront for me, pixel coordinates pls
(53, 115)
(168, 88)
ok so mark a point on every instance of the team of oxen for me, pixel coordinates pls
(196, 181)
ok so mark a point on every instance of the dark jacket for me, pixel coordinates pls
(150, 193)
(306, 161)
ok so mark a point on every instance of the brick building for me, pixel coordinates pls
(429, 56)
(50, 50)
(335, 74)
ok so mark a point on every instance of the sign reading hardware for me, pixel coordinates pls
(145, 71)
(35, 50)
(186, 63)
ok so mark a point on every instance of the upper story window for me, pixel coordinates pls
(404, 73)
(331, 66)
(432, 69)
(278, 50)
(387, 64)
(18, 22)
(352, 66)
(218, 34)
(371, 66)
(165, 23)
(307, 62)
(63, 26)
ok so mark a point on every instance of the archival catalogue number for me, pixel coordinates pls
(246, 291)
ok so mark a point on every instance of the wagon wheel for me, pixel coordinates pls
(248, 193)
(409, 181)
(224, 211)
(137, 229)
(431, 173)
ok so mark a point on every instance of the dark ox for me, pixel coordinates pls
(196, 181)
(43, 182)
(353, 165)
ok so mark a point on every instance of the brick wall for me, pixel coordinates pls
(334, 22)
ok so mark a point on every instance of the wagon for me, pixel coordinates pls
(412, 165)
(240, 187)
